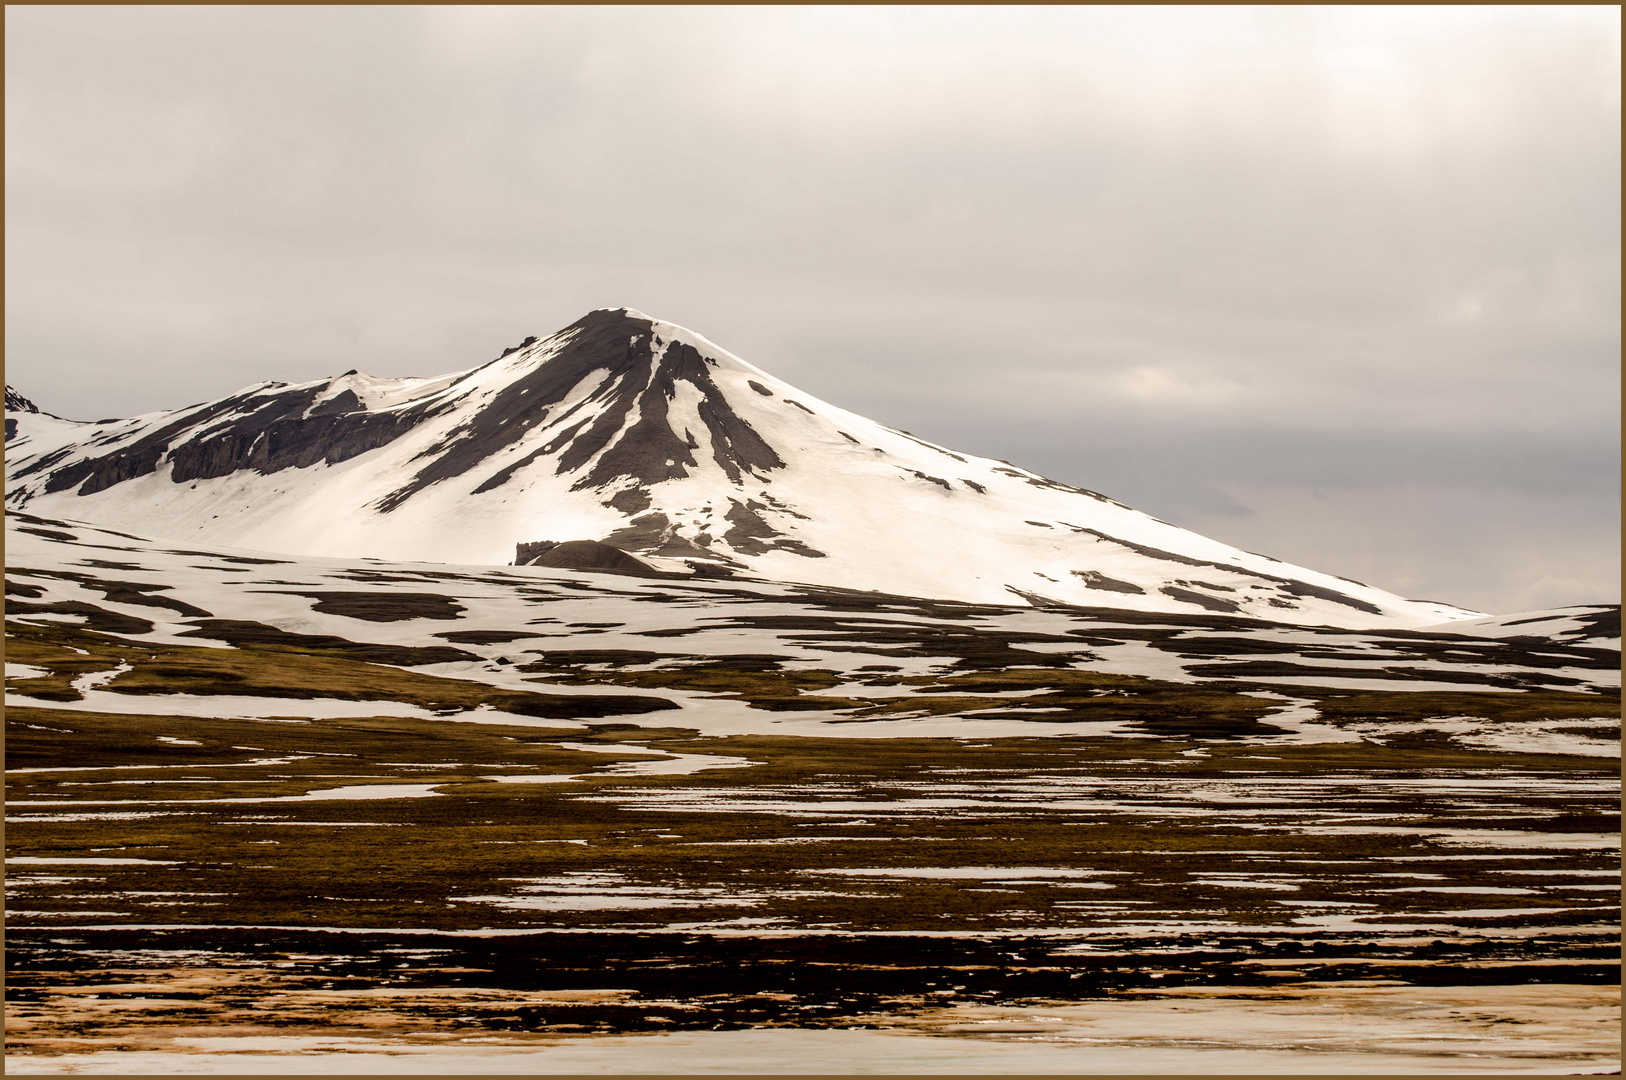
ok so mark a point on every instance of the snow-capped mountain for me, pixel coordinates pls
(645, 436)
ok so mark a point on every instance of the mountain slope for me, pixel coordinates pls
(643, 435)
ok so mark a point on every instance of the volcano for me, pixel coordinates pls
(647, 438)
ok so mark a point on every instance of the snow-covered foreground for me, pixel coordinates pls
(1548, 1030)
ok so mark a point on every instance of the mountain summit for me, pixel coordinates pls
(644, 436)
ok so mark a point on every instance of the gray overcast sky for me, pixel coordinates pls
(1336, 284)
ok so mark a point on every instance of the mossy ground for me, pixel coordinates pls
(1197, 821)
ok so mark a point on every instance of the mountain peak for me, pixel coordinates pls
(634, 432)
(620, 375)
(628, 313)
(15, 402)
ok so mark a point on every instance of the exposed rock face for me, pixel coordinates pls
(1094, 579)
(749, 534)
(630, 435)
(15, 402)
(525, 553)
(247, 431)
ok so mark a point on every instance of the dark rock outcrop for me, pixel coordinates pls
(580, 555)
(749, 534)
(1094, 579)
(15, 402)
(263, 432)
